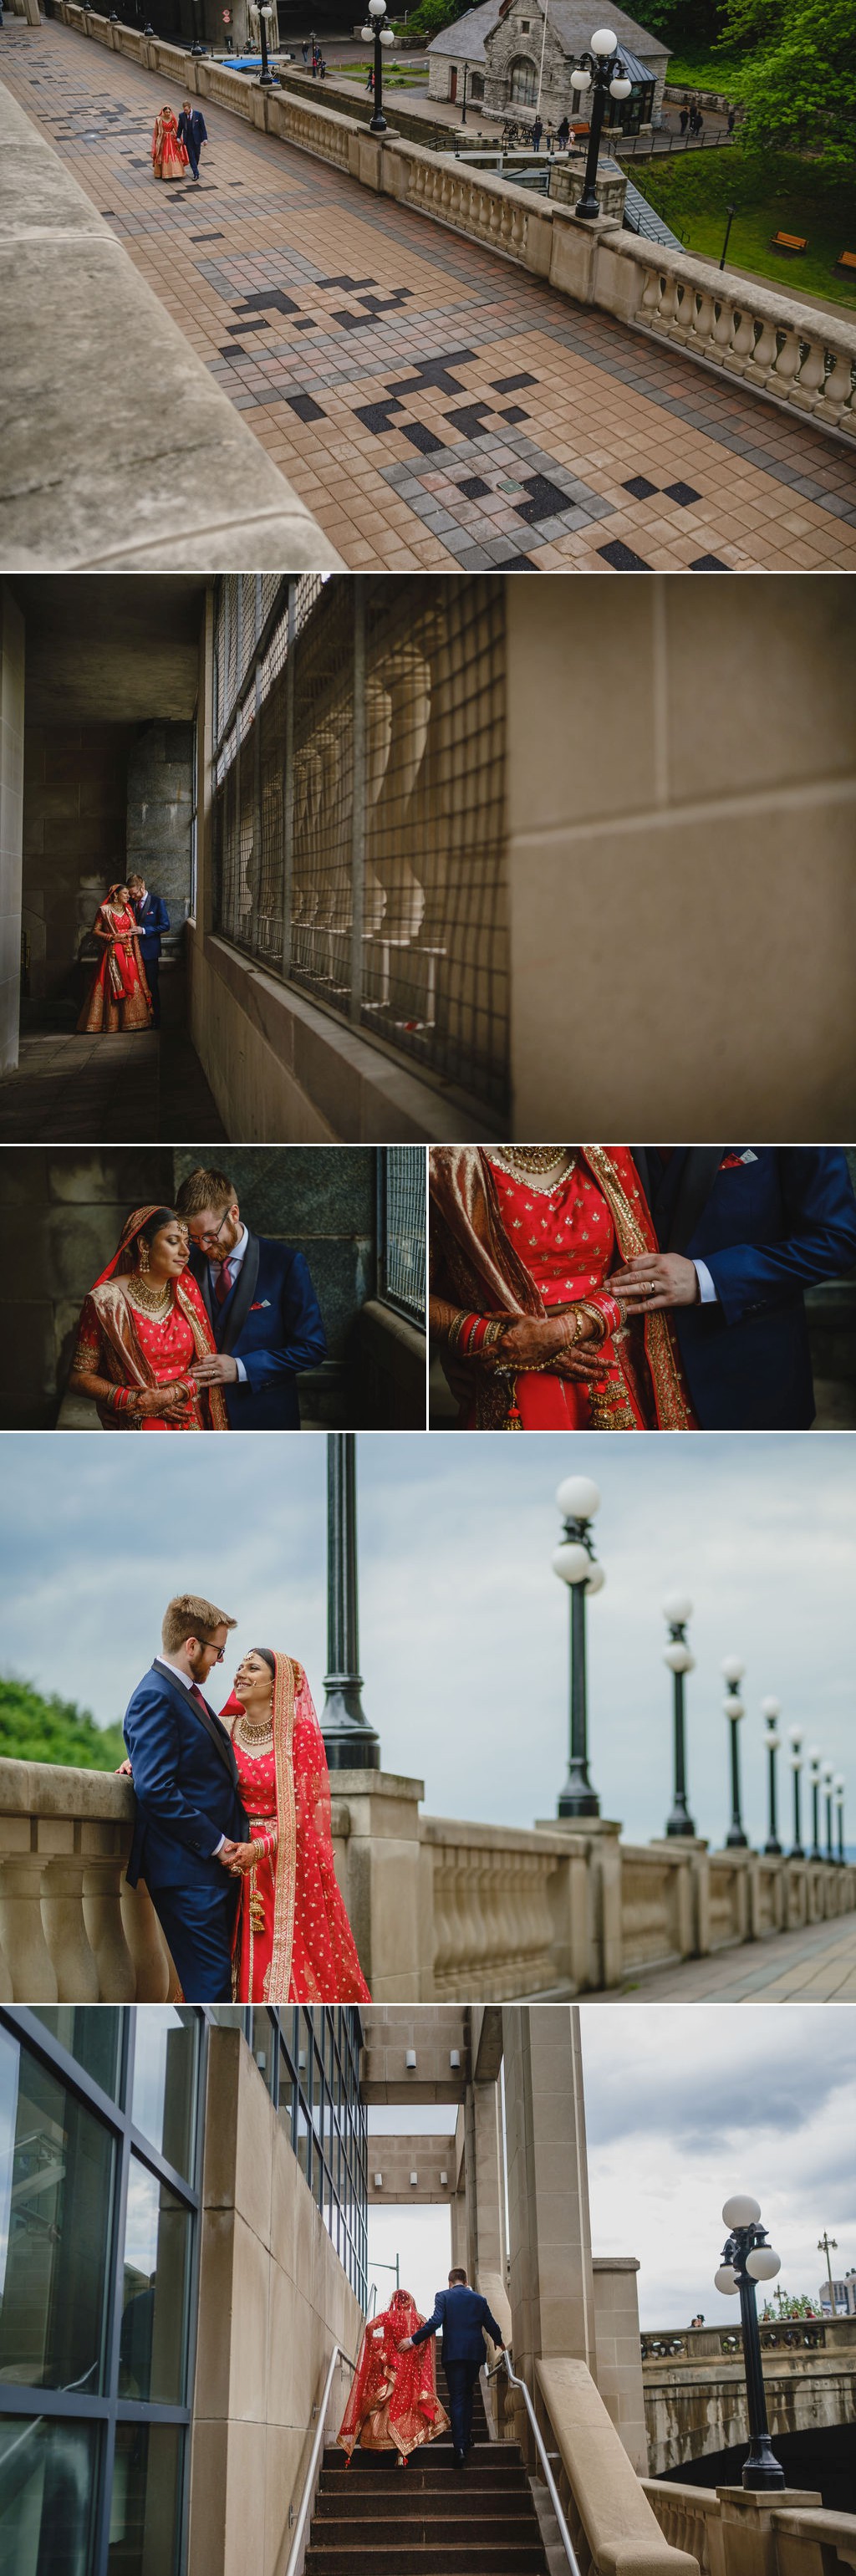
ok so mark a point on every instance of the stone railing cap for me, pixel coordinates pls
(53, 1789)
(748, 294)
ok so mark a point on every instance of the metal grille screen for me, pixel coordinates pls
(401, 1231)
(359, 806)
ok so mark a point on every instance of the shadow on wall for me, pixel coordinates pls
(64, 1211)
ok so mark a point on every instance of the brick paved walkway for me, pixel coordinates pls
(433, 406)
(818, 1966)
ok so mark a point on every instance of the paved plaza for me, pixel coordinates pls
(107, 1090)
(815, 1966)
(434, 406)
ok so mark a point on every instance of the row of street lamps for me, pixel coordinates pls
(574, 1561)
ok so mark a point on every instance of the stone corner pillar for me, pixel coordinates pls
(619, 2351)
(11, 807)
(377, 1838)
(551, 2283)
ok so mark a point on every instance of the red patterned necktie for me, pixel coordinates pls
(224, 1283)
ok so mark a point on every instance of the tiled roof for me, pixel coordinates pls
(571, 21)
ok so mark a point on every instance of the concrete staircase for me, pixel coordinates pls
(429, 2517)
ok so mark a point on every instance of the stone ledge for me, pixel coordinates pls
(121, 461)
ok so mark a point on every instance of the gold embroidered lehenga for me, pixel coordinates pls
(293, 1939)
(118, 1000)
(506, 1242)
(393, 2405)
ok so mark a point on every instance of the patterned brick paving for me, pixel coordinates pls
(432, 405)
(817, 1966)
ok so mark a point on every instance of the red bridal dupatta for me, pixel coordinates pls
(393, 2403)
(118, 996)
(121, 1349)
(293, 1939)
(481, 1267)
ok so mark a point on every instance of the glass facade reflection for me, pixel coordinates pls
(101, 2141)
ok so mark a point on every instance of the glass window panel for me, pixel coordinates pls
(145, 2506)
(163, 2100)
(56, 2187)
(93, 2034)
(47, 2496)
(264, 2046)
(152, 2341)
(287, 2091)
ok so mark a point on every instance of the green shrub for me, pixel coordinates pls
(34, 1729)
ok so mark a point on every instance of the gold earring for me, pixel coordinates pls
(144, 1256)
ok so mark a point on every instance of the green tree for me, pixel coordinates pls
(35, 1729)
(799, 86)
(787, 2303)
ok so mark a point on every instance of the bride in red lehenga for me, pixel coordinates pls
(169, 155)
(524, 1240)
(293, 1941)
(393, 2405)
(118, 998)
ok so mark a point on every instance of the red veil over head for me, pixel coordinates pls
(132, 1227)
(116, 1319)
(314, 1957)
(393, 2403)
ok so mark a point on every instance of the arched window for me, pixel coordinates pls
(524, 82)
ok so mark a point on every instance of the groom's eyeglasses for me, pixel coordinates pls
(219, 1651)
(207, 1241)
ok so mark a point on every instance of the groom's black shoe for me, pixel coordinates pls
(460, 2459)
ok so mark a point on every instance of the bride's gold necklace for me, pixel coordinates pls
(154, 1301)
(542, 1168)
(248, 1734)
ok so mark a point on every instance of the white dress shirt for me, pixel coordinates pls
(706, 1285)
(235, 1258)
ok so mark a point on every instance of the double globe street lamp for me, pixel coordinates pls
(795, 1759)
(575, 1563)
(678, 1656)
(771, 1711)
(735, 1709)
(600, 71)
(377, 33)
(746, 2259)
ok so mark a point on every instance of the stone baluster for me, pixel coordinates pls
(786, 365)
(28, 1960)
(741, 338)
(758, 368)
(153, 1970)
(808, 384)
(102, 1911)
(836, 404)
(65, 1930)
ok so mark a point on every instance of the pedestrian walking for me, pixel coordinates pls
(305, 52)
(732, 113)
(684, 119)
(370, 81)
(537, 131)
(192, 132)
(564, 135)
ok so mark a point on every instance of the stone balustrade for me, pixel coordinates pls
(71, 1931)
(694, 2386)
(732, 2533)
(776, 346)
(442, 1910)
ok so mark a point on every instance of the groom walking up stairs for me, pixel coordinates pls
(375, 2518)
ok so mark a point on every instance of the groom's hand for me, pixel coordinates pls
(674, 1281)
(406, 2344)
(226, 1854)
(218, 1370)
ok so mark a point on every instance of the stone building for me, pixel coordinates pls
(501, 45)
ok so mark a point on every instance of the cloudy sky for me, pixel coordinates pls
(463, 1625)
(684, 2105)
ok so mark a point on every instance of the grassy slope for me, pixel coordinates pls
(33, 1729)
(776, 194)
(705, 70)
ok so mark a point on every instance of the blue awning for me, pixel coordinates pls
(640, 74)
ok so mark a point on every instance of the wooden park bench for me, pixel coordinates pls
(789, 241)
(845, 265)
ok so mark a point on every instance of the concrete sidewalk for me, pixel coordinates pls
(815, 1966)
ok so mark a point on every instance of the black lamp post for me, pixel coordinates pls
(464, 98)
(576, 1565)
(734, 1707)
(377, 33)
(731, 214)
(839, 1809)
(828, 1780)
(771, 1712)
(599, 71)
(197, 46)
(350, 1742)
(814, 1771)
(747, 2258)
(266, 78)
(680, 1661)
(795, 1759)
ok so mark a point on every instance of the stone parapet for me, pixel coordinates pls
(777, 346)
(732, 2532)
(443, 1911)
(136, 457)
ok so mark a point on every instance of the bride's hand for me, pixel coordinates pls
(242, 1859)
(529, 1338)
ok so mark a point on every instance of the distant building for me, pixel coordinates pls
(500, 46)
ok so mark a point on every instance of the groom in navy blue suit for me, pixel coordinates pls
(189, 1814)
(744, 1230)
(462, 2317)
(261, 1303)
(152, 920)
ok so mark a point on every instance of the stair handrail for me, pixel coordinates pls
(544, 2460)
(308, 2495)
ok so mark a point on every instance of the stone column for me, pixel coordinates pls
(550, 2281)
(485, 2212)
(619, 2352)
(11, 821)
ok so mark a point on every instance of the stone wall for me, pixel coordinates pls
(11, 803)
(159, 808)
(695, 2397)
(518, 36)
(75, 823)
(273, 2300)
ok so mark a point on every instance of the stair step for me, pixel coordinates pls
(475, 2504)
(446, 2558)
(429, 2522)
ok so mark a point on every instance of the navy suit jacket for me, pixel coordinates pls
(185, 1785)
(460, 2316)
(271, 1321)
(767, 1228)
(152, 920)
(192, 128)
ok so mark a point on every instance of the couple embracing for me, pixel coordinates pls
(232, 1833)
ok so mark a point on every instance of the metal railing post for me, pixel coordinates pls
(358, 810)
(543, 2461)
(288, 782)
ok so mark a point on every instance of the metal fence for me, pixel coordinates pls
(401, 1230)
(359, 806)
